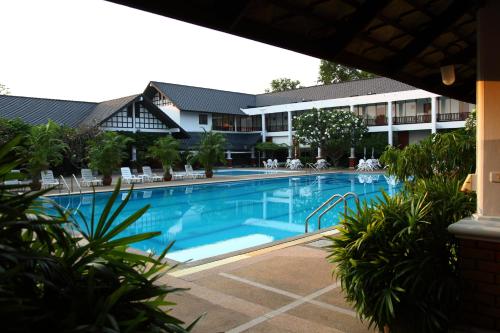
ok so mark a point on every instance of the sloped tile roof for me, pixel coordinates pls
(105, 109)
(377, 85)
(188, 98)
(37, 111)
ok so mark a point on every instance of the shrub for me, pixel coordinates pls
(451, 154)
(396, 260)
(53, 279)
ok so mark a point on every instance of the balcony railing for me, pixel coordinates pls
(226, 128)
(423, 118)
(249, 129)
(277, 128)
(379, 121)
(452, 116)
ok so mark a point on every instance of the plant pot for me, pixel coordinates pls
(35, 185)
(209, 173)
(106, 180)
(167, 177)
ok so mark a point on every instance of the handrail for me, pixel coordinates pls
(65, 184)
(77, 183)
(321, 206)
(342, 198)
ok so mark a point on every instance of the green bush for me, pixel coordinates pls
(397, 261)
(58, 277)
(451, 154)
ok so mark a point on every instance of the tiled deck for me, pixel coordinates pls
(287, 290)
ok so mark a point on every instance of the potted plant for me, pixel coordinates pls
(107, 152)
(165, 149)
(210, 151)
(44, 148)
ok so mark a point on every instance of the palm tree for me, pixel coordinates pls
(107, 152)
(166, 150)
(210, 151)
(44, 148)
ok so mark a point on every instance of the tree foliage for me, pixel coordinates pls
(165, 149)
(332, 72)
(397, 261)
(283, 84)
(210, 151)
(11, 128)
(4, 90)
(107, 152)
(56, 276)
(451, 154)
(335, 130)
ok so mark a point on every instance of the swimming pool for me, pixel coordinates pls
(243, 172)
(207, 220)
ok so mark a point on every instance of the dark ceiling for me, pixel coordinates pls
(407, 40)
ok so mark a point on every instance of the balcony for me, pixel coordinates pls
(379, 121)
(461, 116)
(423, 118)
(224, 127)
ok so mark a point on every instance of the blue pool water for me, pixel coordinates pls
(212, 219)
(243, 172)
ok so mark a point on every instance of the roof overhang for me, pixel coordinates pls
(406, 40)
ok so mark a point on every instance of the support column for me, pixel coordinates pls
(290, 138)
(352, 157)
(252, 156)
(389, 123)
(263, 131)
(229, 159)
(433, 114)
(319, 154)
(479, 249)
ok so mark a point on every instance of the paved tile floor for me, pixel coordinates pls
(287, 290)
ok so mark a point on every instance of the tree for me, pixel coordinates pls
(283, 84)
(336, 130)
(166, 150)
(107, 152)
(44, 148)
(4, 90)
(332, 72)
(210, 151)
(10, 128)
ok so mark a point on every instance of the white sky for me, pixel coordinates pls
(93, 50)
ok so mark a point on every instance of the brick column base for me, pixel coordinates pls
(480, 267)
(352, 162)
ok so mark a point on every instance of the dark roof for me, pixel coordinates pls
(378, 85)
(235, 141)
(105, 109)
(405, 40)
(188, 98)
(37, 111)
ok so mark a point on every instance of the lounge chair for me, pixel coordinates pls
(148, 175)
(88, 178)
(193, 174)
(128, 177)
(13, 181)
(295, 164)
(274, 164)
(177, 175)
(266, 166)
(48, 179)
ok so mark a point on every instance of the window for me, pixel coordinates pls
(222, 122)
(120, 119)
(203, 119)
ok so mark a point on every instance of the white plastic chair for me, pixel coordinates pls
(274, 164)
(193, 174)
(88, 178)
(48, 179)
(148, 175)
(265, 165)
(177, 175)
(128, 177)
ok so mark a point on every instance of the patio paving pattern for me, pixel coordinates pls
(287, 290)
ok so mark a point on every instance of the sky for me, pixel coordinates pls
(92, 50)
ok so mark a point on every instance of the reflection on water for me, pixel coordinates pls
(212, 219)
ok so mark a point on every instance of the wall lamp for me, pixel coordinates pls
(448, 74)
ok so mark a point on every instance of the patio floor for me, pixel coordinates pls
(286, 290)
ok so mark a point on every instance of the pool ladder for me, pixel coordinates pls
(340, 198)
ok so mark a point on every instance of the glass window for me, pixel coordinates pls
(203, 119)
